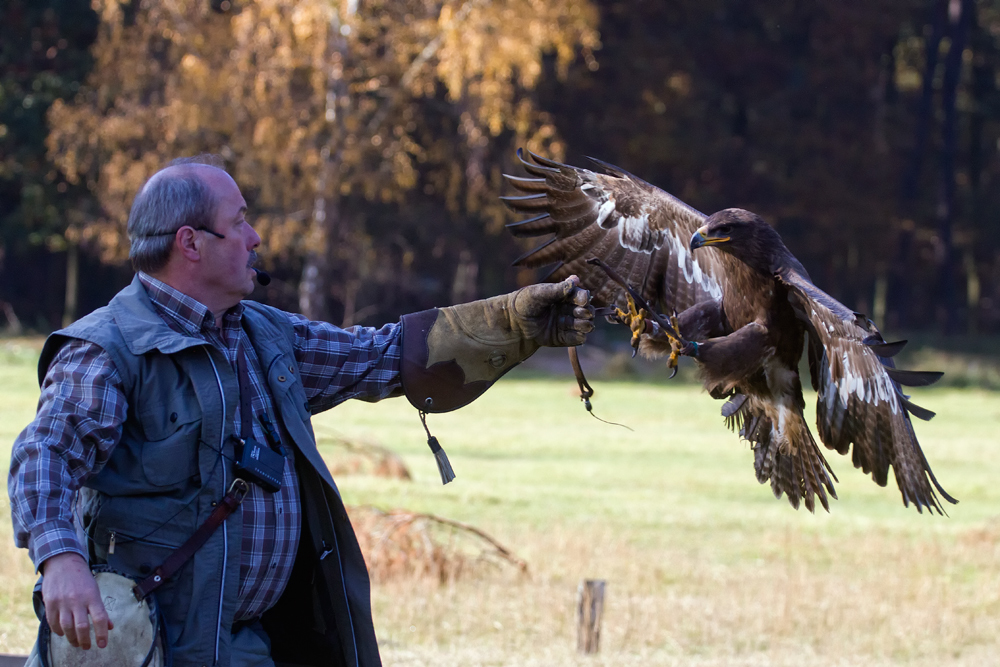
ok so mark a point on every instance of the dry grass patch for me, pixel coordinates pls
(411, 545)
(869, 599)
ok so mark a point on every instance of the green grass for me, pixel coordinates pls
(703, 565)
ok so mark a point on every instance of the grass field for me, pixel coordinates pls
(703, 565)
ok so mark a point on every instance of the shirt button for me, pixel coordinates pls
(291, 369)
(281, 378)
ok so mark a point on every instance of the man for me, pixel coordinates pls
(146, 405)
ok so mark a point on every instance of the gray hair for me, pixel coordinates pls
(170, 199)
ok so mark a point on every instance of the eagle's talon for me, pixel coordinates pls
(675, 322)
(634, 319)
(672, 361)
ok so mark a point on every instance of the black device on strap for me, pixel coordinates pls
(261, 464)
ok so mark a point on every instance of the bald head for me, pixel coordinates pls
(180, 170)
(178, 195)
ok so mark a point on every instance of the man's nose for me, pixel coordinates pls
(254, 239)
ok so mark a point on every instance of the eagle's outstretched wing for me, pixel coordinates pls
(637, 229)
(860, 398)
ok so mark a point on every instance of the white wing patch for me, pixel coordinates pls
(604, 212)
(871, 385)
(636, 234)
(691, 269)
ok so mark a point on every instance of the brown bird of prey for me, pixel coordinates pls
(745, 309)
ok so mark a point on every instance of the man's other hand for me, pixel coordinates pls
(554, 314)
(72, 600)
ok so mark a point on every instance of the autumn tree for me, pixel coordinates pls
(323, 110)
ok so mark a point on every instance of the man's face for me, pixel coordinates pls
(225, 264)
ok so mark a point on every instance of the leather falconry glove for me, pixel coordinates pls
(452, 355)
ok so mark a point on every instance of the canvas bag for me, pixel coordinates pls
(137, 640)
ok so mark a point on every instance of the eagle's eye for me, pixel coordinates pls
(724, 229)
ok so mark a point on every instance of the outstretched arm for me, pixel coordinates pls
(452, 355)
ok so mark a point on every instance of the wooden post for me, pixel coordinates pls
(589, 610)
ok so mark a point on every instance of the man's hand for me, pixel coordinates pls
(554, 314)
(72, 599)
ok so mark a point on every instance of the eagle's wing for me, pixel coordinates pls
(860, 398)
(639, 230)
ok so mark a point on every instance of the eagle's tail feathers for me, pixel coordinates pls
(801, 476)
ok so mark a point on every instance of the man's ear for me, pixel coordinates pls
(187, 244)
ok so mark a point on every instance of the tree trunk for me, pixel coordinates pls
(899, 285)
(463, 287)
(959, 19)
(314, 288)
(72, 282)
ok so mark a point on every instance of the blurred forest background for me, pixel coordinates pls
(369, 138)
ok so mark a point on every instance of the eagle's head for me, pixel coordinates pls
(745, 236)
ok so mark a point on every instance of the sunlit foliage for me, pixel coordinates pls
(310, 101)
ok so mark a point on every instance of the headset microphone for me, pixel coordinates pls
(262, 277)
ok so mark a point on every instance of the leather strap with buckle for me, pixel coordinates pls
(181, 554)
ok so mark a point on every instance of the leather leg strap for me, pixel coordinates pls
(181, 554)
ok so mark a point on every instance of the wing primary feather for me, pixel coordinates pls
(546, 162)
(930, 473)
(551, 275)
(530, 227)
(914, 378)
(534, 169)
(608, 167)
(527, 184)
(523, 198)
(523, 259)
(887, 350)
(806, 489)
(917, 411)
(527, 203)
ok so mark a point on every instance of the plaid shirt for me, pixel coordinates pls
(83, 406)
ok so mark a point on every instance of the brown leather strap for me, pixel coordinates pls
(586, 391)
(181, 554)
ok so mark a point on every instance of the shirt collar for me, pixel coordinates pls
(183, 313)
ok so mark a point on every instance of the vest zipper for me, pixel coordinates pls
(225, 483)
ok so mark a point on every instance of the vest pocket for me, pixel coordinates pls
(172, 459)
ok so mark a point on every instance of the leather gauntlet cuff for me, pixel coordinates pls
(452, 355)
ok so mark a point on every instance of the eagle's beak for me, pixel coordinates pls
(701, 238)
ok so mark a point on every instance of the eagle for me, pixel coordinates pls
(745, 309)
